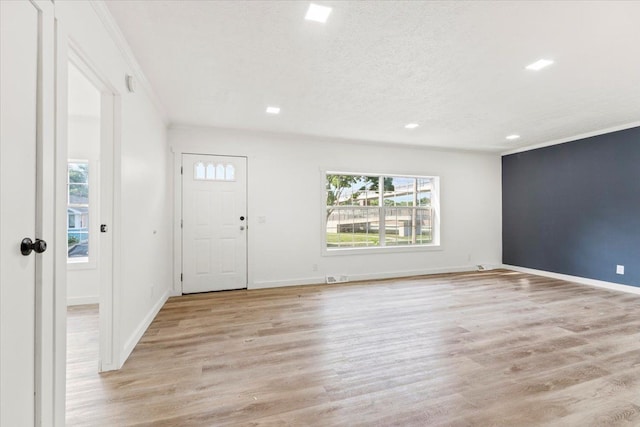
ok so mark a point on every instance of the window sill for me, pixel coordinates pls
(381, 250)
(81, 264)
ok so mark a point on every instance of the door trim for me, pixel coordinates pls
(177, 215)
(69, 50)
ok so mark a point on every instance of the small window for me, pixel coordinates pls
(365, 211)
(199, 171)
(230, 174)
(211, 171)
(78, 211)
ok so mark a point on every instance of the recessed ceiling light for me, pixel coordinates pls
(411, 126)
(273, 110)
(539, 64)
(317, 13)
(513, 137)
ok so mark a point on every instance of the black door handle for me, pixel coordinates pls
(27, 246)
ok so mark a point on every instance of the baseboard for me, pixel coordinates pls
(368, 276)
(582, 280)
(142, 328)
(83, 300)
(289, 282)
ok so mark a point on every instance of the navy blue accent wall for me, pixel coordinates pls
(574, 208)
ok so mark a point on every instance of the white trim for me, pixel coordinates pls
(123, 46)
(141, 329)
(370, 250)
(94, 299)
(177, 219)
(320, 280)
(581, 280)
(571, 138)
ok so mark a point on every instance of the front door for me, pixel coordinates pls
(19, 51)
(214, 223)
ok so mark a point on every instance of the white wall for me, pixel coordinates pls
(284, 186)
(142, 254)
(83, 139)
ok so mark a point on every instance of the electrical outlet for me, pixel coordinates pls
(619, 269)
(337, 279)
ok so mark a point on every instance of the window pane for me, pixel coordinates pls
(425, 190)
(78, 194)
(220, 173)
(78, 210)
(352, 190)
(199, 171)
(231, 173)
(78, 173)
(352, 227)
(399, 191)
(211, 171)
(424, 218)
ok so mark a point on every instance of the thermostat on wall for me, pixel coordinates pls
(131, 83)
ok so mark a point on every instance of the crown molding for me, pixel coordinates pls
(123, 46)
(571, 138)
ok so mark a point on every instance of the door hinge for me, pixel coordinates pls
(181, 223)
(181, 170)
(181, 277)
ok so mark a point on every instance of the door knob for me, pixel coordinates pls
(241, 218)
(27, 246)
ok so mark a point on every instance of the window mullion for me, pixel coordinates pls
(381, 213)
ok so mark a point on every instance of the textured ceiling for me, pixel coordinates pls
(456, 68)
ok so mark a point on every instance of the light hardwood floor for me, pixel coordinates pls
(493, 348)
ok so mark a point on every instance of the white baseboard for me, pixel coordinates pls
(289, 282)
(142, 328)
(83, 300)
(582, 280)
(319, 280)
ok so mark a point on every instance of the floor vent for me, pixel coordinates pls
(337, 279)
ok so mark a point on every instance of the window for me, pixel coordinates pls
(78, 211)
(213, 172)
(372, 211)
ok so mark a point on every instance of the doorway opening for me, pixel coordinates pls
(83, 207)
(89, 213)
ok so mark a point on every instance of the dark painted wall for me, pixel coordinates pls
(574, 208)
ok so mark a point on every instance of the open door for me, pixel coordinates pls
(26, 156)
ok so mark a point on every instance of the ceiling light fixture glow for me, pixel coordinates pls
(317, 13)
(411, 126)
(513, 137)
(539, 64)
(273, 110)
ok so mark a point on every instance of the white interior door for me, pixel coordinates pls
(18, 124)
(214, 223)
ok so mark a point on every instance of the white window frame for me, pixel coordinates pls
(435, 206)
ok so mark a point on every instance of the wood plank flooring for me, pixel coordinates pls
(494, 348)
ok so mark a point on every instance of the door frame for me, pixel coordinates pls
(177, 214)
(106, 356)
(69, 50)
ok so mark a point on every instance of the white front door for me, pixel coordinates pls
(214, 223)
(18, 123)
